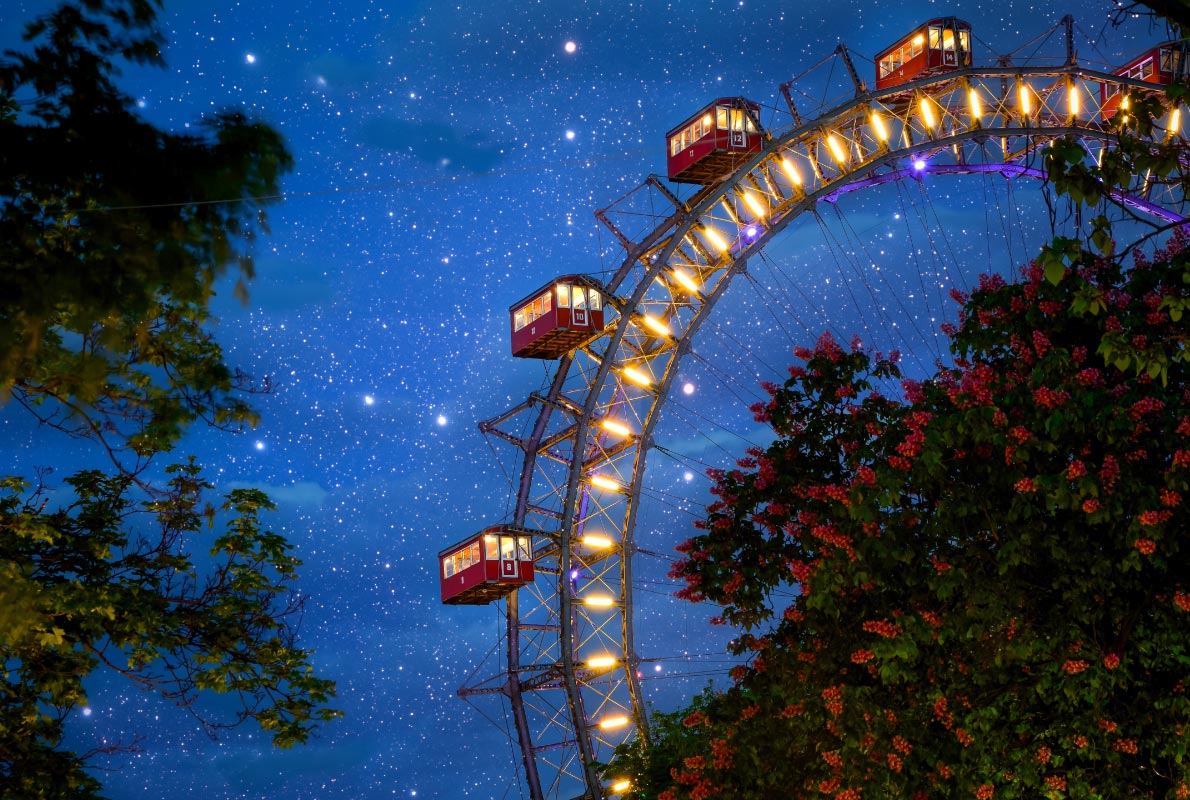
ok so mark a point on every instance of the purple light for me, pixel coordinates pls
(574, 573)
(919, 164)
(751, 232)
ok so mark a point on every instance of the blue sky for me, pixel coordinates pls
(449, 158)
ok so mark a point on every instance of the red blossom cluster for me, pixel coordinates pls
(830, 534)
(1046, 397)
(833, 695)
(883, 628)
(1089, 377)
(1151, 518)
(1055, 783)
(1125, 746)
(914, 391)
(942, 712)
(1109, 473)
(1041, 343)
(722, 754)
(864, 476)
(733, 584)
(801, 571)
(974, 387)
(1146, 406)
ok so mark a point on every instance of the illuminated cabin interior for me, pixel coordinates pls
(487, 566)
(560, 316)
(939, 45)
(712, 143)
(1162, 65)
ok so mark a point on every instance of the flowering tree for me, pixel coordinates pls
(980, 590)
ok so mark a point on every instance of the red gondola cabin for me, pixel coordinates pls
(557, 318)
(939, 45)
(487, 566)
(713, 142)
(1162, 65)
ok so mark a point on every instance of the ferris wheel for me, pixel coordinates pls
(566, 562)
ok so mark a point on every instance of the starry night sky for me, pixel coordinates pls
(450, 156)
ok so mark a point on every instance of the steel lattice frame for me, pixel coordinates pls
(992, 119)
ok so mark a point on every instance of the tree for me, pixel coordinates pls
(1173, 13)
(114, 236)
(980, 590)
(108, 583)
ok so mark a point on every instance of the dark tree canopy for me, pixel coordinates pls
(979, 590)
(113, 236)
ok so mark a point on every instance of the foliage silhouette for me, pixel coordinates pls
(114, 236)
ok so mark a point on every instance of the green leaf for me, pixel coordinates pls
(1055, 271)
